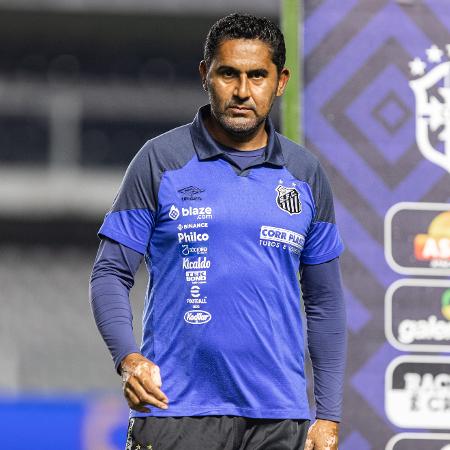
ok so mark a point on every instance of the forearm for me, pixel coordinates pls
(326, 330)
(111, 281)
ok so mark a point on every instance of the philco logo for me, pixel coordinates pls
(432, 106)
(418, 315)
(192, 236)
(435, 245)
(197, 317)
(288, 199)
(174, 212)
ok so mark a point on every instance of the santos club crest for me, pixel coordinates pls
(432, 92)
(288, 199)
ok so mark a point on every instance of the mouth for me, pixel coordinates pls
(240, 109)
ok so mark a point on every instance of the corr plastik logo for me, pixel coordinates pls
(434, 246)
(280, 237)
(433, 111)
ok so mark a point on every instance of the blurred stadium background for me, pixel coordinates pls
(83, 85)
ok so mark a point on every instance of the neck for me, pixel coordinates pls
(257, 139)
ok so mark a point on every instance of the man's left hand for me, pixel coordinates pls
(322, 435)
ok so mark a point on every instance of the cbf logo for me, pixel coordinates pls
(288, 199)
(433, 111)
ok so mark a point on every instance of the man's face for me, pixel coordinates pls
(242, 83)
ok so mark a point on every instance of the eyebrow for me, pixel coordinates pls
(261, 71)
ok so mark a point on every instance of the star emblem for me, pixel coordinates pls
(417, 67)
(434, 54)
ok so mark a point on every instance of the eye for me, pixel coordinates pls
(258, 75)
(228, 73)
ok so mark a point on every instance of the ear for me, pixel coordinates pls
(203, 74)
(283, 79)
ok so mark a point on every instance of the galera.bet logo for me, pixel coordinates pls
(432, 92)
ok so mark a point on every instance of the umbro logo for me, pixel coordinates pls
(191, 193)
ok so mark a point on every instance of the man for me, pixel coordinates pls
(226, 211)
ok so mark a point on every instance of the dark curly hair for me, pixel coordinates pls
(246, 26)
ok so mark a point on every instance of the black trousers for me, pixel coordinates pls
(215, 433)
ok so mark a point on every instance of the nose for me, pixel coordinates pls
(242, 89)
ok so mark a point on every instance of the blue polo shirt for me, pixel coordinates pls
(223, 247)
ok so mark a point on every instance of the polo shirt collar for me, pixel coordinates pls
(206, 147)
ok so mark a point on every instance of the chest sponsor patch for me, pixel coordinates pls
(288, 199)
(287, 239)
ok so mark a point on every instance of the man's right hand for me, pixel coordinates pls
(141, 383)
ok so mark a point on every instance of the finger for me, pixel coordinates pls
(149, 376)
(156, 376)
(133, 401)
(152, 389)
(144, 396)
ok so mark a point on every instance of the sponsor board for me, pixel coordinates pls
(196, 276)
(417, 392)
(417, 238)
(419, 441)
(197, 317)
(281, 237)
(417, 315)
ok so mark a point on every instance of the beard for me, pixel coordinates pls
(239, 127)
